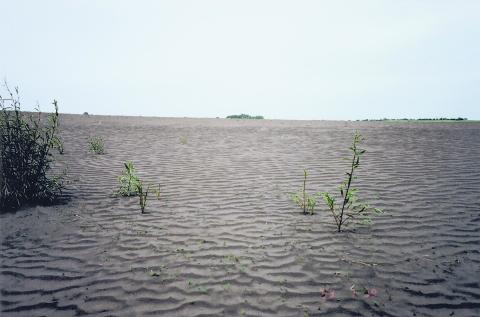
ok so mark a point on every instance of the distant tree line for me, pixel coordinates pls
(244, 116)
(419, 119)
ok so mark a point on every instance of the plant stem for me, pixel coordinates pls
(350, 176)
(334, 216)
(304, 192)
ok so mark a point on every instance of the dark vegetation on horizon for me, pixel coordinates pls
(419, 119)
(26, 144)
(244, 116)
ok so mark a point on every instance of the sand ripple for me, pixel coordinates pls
(225, 240)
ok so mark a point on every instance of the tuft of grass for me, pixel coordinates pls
(305, 201)
(26, 145)
(96, 144)
(350, 208)
(183, 140)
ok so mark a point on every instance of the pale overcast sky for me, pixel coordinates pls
(281, 59)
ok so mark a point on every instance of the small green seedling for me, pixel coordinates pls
(305, 201)
(129, 181)
(96, 144)
(350, 208)
(143, 195)
(131, 185)
(183, 140)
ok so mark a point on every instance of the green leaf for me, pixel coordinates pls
(330, 201)
(366, 221)
(378, 210)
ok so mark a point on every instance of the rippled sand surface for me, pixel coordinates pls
(225, 239)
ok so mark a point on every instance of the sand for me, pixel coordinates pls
(225, 238)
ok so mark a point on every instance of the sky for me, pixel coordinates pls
(334, 60)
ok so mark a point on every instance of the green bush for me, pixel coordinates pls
(96, 145)
(26, 144)
(129, 181)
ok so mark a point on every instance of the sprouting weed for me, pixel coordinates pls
(183, 140)
(361, 290)
(143, 194)
(232, 258)
(129, 181)
(350, 207)
(305, 201)
(131, 185)
(227, 286)
(96, 144)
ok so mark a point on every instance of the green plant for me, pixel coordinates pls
(96, 145)
(26, 145)
(350, 208)
(244, 116)
(131, 185)
(143, 194)
(129, 181)
(305, 201)
(183, 140)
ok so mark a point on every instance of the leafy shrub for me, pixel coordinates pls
(96, 145)
(350, 207)
(131, 185)
(26, 145)
(305, 201)
(129, 181)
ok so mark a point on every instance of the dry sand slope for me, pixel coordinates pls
(225, 239)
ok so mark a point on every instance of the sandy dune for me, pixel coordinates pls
(225, 239)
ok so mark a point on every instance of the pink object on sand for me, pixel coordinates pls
(372, 292)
